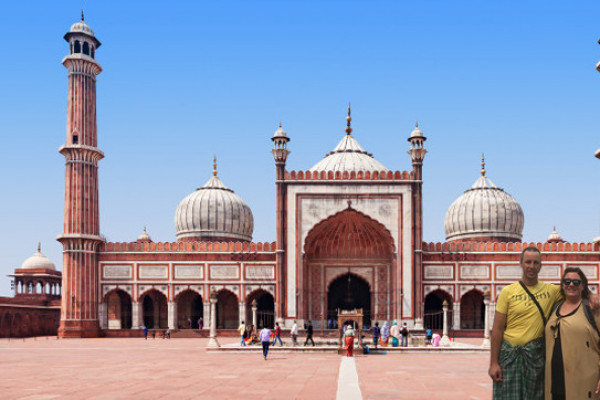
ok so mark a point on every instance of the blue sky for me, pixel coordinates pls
(185, 80)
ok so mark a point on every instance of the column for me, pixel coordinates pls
(102, 307)
(136, 315)
(445, 340)
(254, 314)
(172, 314)
(212, 342)
(456, 315)
(242, 312)
(206, 314)
(486, 324)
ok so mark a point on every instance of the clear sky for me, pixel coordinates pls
(185, 80)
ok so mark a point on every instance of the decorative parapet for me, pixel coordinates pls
(188, 247)
(450, 247)
(349, 175)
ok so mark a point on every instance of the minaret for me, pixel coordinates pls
(81, 234)
(280, 154)
(417, 154)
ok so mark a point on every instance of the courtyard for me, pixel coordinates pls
(132, 368)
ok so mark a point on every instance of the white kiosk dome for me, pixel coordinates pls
(38, 261)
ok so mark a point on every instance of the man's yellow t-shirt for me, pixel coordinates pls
(523, 319)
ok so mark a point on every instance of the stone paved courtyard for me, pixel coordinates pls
(47, 368)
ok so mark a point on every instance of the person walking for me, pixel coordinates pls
(309, 334)
(294, 334)
(349, 341)
(385, 334)
(265, 338)
(277, 334)
(376, 331)
(242, 330)
(404, 335)
(200, 324)
(145, 330)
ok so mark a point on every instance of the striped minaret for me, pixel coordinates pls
(81, 234)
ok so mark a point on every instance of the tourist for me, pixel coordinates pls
(277, 334)
(145, 330)
(349, 341)
(428, 336)
(517, 345)
(376, 331)
(404, 335)
(242, 330)
(265, 338)
(395, 333)
(200, 324)
(189, 323)
(249, 334)
(385, 333)
(572, 342)
(309, 333)
(294, 334)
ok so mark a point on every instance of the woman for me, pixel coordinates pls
(349, 339)
(572, 343)
(385, 334)
(395, 332)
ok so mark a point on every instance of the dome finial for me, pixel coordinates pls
(39, 247)
(82, 18)
(417, 124)
(348, 119)
(482, 164)
(214, 165)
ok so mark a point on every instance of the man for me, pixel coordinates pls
(277, 334)
(517, 347)
(376, 333)
(294, 334)
(242, 330)
(404, 335)
(309, 334)
(265, 338)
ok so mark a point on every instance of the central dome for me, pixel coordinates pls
(213, 213)
(484, 213)
(348, 156)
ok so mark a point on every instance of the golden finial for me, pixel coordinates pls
(482, 165)
(82, 19)
(348, 119)
(214, 165)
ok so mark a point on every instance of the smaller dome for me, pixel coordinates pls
(81, 27)
(416, 133)
(554, 236)
(279, 133)
(38, 261)
(144, 237)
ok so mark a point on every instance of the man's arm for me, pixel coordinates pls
(495, 371)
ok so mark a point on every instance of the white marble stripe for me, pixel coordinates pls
(348, 388)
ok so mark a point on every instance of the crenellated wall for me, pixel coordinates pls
(188, 246)
(352, 175)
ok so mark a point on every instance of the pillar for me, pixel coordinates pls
(172, 314)
(445, 339)
(456, 315)
(136, 315)
(242, 312)
(254, 314)
(102, 315)
(212, 341)
(486, 324)
(206, 314)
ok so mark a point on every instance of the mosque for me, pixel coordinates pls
(349, 235)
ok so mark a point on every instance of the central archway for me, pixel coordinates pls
(349, 292)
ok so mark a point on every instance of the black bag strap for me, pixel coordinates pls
(589, 314)
(532, 297)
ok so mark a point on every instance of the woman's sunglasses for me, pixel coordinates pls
(575, 282)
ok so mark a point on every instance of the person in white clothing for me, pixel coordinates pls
(294, 334)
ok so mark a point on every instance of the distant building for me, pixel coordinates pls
(35, 308)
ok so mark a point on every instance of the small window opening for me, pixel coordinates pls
(77, 47)
(86, 48)
(75, 139)
(93, 51)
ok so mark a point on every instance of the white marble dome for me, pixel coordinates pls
(348, 156)
(213, 213)
(81, 27)
(38, 261)
(484, 212)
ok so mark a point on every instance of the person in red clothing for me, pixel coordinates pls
(349, 339)
(277, 334)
